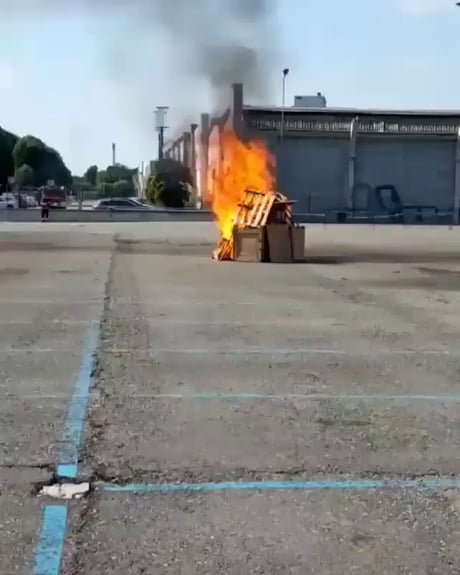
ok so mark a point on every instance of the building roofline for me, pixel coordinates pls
(353, 111)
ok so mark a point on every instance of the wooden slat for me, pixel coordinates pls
(253, 215)
(254, 211)
(269, 201)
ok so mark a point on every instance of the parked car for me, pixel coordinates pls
(8, 201)
(30, 201)
(121, 204)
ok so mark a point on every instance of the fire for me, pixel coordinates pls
(241, 167)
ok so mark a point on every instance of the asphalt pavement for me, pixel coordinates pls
(230, 418)
(48, 298)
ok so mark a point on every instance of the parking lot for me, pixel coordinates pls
(230, 418)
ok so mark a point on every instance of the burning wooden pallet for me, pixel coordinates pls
(260, 213)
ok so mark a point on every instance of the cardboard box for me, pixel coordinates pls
(279, 243)
(298, 244)
(249, 245)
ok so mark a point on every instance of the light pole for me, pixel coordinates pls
(283, 101)
(161, 125)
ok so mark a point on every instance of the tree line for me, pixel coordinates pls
(115, 181)
(30, 161)
(169, 184)
(33, 163)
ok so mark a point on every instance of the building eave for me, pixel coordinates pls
(353, 112)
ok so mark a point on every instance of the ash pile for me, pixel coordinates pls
(263, 231)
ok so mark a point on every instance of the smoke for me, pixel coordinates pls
(219, 41)
(181, 53)
(223, 41)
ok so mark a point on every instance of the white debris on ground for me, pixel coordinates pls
(65, 490)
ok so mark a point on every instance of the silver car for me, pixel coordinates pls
(121, 204)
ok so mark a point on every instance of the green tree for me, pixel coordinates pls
(7, 143)
(174, 178)
(46, 162)
(123, 188)
(105, 190)
(55, 169)
(117, 172)
(91, 175)
(154, 190)
(116, 180)
(25, 175)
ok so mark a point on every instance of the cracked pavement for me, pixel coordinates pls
(175, 324)
(48, 296)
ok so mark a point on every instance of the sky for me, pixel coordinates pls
(81, 81)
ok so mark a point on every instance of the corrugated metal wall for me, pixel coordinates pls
(312, 171)
(422, 170)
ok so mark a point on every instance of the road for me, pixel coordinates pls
(236, 418)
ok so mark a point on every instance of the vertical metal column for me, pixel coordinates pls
(237, 118)
(204, 156)
(352, 162)
(161, 142)
(456, 207)
(193, 129)
(160, 125)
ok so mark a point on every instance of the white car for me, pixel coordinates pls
(30, 201)
(8, 201)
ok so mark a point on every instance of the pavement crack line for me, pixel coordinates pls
(63, 484)
(78, 411)
(116, 324)
(46, 466)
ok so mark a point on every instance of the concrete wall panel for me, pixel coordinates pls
(422, 170)
(312, 171)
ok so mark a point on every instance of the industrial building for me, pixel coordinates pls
(339, 162)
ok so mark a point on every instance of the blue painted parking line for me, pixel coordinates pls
(71, 441)
(335, 485)
(50, 545)
(49, 548)
(276, 351)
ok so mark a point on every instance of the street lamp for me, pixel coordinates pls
(160, 126)
(283, 101)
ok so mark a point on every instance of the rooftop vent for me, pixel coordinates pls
(318, 101)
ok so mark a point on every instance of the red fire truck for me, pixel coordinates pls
(53, 196)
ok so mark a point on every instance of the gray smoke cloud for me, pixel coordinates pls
(181, 53)
(227, 41)
(221, 41)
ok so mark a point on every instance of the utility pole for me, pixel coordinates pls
(160, 126)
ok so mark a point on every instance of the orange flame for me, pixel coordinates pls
(240, 167)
